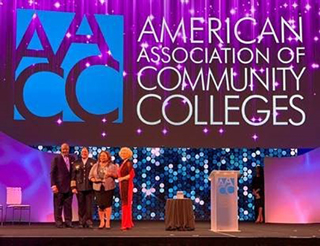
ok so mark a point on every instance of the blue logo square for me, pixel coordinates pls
(68, 66)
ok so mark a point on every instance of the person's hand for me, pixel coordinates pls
(74, 191)
(54, 189)
(123, 178)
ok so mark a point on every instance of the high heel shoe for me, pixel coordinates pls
(108, 226)
(101, 226)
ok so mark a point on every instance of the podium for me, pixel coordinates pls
(224, 201)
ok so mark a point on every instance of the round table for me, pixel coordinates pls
(179, 215)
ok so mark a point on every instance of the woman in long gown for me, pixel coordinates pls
(125, 177)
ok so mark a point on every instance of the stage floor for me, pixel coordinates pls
(153, 232)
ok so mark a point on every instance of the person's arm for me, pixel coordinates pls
(73, 179)
(129, 168)
(255, 188)
(91, 174)
(53, 176)
(255, 191)
(115, 172)
(262, 186)
(127, 177)
(92, 177)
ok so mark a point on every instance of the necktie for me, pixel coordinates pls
(66, 159)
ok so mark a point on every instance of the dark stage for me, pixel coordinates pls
(153, 233)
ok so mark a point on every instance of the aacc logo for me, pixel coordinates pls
(69, 67)
(226, 186)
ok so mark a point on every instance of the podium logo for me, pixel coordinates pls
(226, 186)
(69, 67)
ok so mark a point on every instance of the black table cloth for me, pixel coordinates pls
(179, 215)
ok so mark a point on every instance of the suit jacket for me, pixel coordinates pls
(60, 175)
(108, 183)
(80, 174)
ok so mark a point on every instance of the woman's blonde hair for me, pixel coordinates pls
(126, 149)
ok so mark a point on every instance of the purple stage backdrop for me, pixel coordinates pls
(292, 190)
(192, 73)
(28, 168)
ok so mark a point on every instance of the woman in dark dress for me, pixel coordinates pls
(258, 192)
(125, 177)
(103, 175)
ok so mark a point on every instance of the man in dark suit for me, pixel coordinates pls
(82, 186)
(61, 167)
